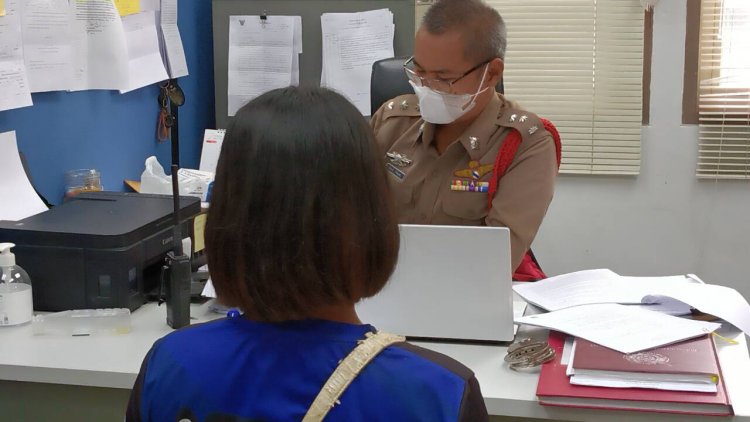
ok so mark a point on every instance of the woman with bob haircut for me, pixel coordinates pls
(301, 227)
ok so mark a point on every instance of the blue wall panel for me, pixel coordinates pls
(113, 132)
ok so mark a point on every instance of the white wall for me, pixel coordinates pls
(663, 221)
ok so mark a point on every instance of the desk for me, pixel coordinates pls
(97, 373)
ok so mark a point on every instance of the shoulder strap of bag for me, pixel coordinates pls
(347, 371)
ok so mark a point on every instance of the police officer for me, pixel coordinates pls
(441, 144)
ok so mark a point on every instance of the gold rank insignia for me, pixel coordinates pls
(475, 171)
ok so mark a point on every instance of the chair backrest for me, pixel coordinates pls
(389, 80)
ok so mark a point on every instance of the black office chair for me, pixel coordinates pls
(389, 81)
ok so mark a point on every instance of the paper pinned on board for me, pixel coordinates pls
(2, 7)
(47, 45)
(261, 56)
(14, 84)
(145, 65)
(19, 198)
(128, 7)
(175, 53)
(352, 42)
(100, 52)
(623, 328)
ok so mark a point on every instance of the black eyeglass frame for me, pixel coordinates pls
(410, 73)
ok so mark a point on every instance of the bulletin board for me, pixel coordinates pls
(310, 10)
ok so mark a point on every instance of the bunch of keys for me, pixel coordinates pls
(169, 92)
(528, 353)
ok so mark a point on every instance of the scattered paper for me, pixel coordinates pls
(128, 7)
(19, 198)
(176, 62)
(208, 289)
(145, 65)
(623, 328)
(14, 84)
(593, 286)
(212, 141)
(352, 42)
(720, 301)
(100, 53)
(47, 45)
(261, 56)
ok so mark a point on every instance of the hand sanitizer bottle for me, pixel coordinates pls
(16, 303)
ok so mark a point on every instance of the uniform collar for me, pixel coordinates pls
(476, 138)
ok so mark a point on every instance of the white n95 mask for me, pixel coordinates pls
(438, 108)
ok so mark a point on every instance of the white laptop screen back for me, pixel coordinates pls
(451, 282)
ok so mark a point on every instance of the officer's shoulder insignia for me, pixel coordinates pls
(525, 122)
(401, 106)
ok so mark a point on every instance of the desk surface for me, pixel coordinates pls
(114, 362)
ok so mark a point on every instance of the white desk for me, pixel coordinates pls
(112, 362)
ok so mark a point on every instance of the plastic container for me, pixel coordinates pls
(83, 322)
(16, 301)
(84, 180)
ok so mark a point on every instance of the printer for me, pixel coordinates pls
(98, 249)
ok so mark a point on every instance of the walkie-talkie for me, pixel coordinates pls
(177, 271)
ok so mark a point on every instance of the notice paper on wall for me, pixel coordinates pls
(352, 42)
(14, 84)
(19, 198)
(100, 52)
(47, 45)
(261, 56)
(174, 52)
(145, 64)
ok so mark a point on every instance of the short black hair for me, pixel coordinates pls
(301, 214)
(483, 28)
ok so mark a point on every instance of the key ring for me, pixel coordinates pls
(528, 353)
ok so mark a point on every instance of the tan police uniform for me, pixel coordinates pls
(448, 189)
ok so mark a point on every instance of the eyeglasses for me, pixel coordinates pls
(444, 86)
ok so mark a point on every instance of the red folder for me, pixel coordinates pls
(554, 389)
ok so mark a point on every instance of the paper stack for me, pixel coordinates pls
(352, 42)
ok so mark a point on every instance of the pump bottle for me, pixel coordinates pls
(16, 302)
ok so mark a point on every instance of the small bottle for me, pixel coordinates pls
(16, 302)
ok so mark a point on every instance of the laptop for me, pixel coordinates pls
(451, 283)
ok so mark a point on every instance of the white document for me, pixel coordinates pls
(260, 57)
(720, 301)
(154, 5)
(623, 328)
(100, 53)
(593, 286)
(14, 84)
(145, 66)
(48, 51)
(19, 198)
(297, 49)
(212, 140)
(352, 42)
(176, 62)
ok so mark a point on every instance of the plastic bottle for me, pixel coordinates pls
(16, 302)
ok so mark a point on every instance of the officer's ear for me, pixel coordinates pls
(495, 70)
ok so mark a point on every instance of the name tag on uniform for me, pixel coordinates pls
(400, 175)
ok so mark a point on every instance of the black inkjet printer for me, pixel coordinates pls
(98, 249)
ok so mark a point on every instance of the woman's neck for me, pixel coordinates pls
(339, 313)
